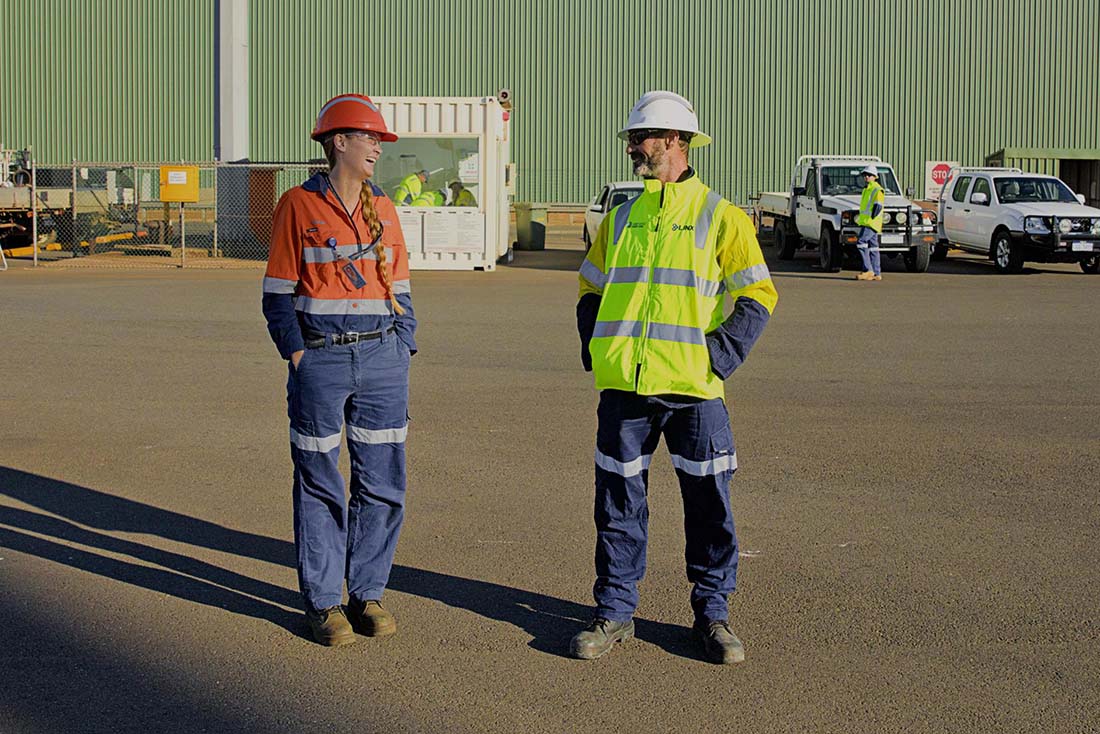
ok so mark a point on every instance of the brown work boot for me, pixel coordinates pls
(599, 637)
(370, 618)
(720, 645)
(330, 626)
(866, 275)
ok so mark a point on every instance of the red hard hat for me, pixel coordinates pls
(351, 112)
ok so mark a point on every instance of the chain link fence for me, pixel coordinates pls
(97, 214)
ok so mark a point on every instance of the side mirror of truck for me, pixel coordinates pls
(980, 198)
(1080, 198)
(799, 191)
(909, 191)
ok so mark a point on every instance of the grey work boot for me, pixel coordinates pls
(720, 645)
(599, 637)
(330, 627)
(370, 618)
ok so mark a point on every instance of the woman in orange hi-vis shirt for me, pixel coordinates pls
(338, 306)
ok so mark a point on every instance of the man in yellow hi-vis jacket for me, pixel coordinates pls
(650, 317)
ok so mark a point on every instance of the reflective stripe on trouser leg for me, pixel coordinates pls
(377, 427)
(316, 392)
(868, 244)
(701, 444)
(627, 435)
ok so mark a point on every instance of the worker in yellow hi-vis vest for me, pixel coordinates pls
(650, 316)
(410, 188)
(870, 223)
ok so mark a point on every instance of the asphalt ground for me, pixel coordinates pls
(916, 504)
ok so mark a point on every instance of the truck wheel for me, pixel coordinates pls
(1091, 264)
(939, 252)
(1007, 256)
(916, 260)
(830, 253)
(785, 243)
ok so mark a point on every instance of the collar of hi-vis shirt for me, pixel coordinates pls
(320, 184)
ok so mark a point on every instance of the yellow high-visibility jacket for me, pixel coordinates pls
(873, 194)
(662, 266)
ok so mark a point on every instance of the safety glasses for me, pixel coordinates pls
(637, 137)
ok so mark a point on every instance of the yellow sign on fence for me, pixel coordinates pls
(179, 183)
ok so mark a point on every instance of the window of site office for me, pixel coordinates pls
(447, 159)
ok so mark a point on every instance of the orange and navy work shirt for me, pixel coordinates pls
(306, 293)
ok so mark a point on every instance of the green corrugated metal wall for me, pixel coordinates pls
(771, 80)
(108, 80)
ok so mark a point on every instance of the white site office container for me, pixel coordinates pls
(464, 138)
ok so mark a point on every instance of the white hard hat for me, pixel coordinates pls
(662, 110)
(871, 170)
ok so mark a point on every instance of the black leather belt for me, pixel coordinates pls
(314, 340)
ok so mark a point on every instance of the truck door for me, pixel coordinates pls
(953, 214)
(805, 212)
(982, 218)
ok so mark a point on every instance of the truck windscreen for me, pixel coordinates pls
(1017, 189)
(842, 180)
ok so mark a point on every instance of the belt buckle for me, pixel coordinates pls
(351, 337)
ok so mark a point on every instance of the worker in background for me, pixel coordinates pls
(651, 324)
(430, 198)
(870, 223)
(338, 306)
(461, 196)
(410, 187)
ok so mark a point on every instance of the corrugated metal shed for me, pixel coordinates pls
(108, 80)
(771, 79)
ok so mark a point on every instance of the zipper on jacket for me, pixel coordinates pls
(650, 247)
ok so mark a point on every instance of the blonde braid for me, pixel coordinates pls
(374, 227)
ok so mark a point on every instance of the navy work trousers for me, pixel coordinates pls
(364, 386)
(868, 244)
(699, 439)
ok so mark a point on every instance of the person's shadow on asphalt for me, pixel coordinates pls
(550, 621)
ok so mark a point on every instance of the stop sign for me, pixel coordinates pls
(939, 174)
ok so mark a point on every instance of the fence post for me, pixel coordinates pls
(72, 226)
(215, 252)
(34, 209)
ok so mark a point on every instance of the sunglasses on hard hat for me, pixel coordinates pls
(637, 137)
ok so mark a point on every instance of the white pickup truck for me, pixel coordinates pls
(820, 213)
(1014, 217)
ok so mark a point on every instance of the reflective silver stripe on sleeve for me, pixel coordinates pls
(702, 224)
(674, 333)
(628, 275)
(592, 274)
(402, 286)
(318, 444)
(383, 435)
(674, 276)
(344, 306)
(622, 216)
(617, 328)
(325, 254)
(748, 276)
(708, 468)
(279, 285)
(623, 468)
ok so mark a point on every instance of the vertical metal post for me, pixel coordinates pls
(34, 209)
(72, 226)
(137, 203)
(183, 240)
(216, 213)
